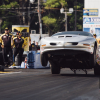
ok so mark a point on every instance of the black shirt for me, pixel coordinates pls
(6, 38)
(33, 47)
(18, 42)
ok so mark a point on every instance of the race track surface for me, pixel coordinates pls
(40, 84)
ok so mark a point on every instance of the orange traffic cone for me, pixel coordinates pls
(26, 63)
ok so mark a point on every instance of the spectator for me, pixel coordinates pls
(94, 35)
(6, 41)
(33, 46)
(19, 47)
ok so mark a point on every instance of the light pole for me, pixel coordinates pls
(62, 11)
(30, 2)
(40, 22)
(39, 15)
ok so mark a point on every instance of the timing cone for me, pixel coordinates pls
(26, 63)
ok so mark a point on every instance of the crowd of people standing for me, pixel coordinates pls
(13, 45)
(33, 46)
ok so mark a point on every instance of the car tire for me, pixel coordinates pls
(44, 59)
(97, 69)
(54, 69)
(2, 68)
(1, 58)
(93, 58)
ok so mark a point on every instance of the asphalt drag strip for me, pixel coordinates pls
(40, 84)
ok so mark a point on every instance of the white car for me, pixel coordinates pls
(71, 49)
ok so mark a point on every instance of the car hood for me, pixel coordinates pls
(67, 38)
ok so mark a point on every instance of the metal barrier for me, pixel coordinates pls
(33, 61)
(30, 59)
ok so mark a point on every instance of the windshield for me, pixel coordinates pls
(73, 33)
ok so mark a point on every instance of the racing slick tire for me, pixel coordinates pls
(54, 69)
(44, 59)
(2, 68)
(97, 69)
(93, 58)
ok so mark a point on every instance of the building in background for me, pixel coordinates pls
(91, 17)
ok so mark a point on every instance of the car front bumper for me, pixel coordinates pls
(67, 50)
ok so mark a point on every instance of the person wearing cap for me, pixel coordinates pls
(19, 45)
(6, 41)
(33, 46)
(17, 33)
(94, 35)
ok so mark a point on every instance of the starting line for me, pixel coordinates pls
(5, 73)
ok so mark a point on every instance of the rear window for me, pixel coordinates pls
(73, 33)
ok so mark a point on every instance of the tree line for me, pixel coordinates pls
(52, 20)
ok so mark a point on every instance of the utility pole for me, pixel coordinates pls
(65, 21)
(40, 22)
(29, 15)
(76, 15)
(23, 12)
(62, 11)
(23, 18)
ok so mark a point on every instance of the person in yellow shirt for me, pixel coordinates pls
(94, 35)
(6, 41)
(19, 45)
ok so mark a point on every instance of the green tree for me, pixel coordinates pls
(52, 19)
(79, 18)
(57, 20)
(8, 17)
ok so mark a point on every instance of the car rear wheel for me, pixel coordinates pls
(2, 68)
(44, 59)
(54, 69)
(97, 69)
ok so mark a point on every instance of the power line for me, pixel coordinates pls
(18, 15)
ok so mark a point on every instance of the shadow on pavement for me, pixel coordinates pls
(80, 75)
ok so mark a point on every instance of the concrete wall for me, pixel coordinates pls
(92, 4)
